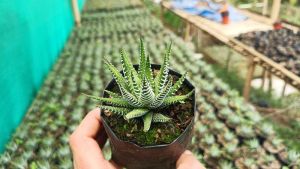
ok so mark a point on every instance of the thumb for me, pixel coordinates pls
(188, 161)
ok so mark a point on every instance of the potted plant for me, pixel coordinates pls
(148, 113)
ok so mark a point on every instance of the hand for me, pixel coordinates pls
(86, 143)
(89, 137)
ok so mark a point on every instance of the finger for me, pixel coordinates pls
(90, 125)
(86, 152)
(188, 161)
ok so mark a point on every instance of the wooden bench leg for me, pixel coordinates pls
(283, 89)
(187, 32)
(247, 85)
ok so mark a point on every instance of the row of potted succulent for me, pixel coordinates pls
(110, 6)
(59, 106)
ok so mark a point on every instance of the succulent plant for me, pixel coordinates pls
(210, 116)
(246, 131)
(249, 162)
(218, 126)
(253, 144)
(214, 151)
(267, 129)
(5, 158)
(142, 94)
(255, 117)
(268, 158)
(293, 158)
(234, 120)
(208, 139)
(201, 128)
(229, 136)
(230, 148)
(226, 165)
(225, 112)
(223, 101)
(276, 142)
(206, 108)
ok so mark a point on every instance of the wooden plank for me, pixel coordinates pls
(187, 31)
(275, 10)
(265, 7)
(76, 13)
(245, 50)
(263, 78)
(283, 89)
(247, 85)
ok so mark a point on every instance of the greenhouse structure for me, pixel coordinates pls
(150, 84)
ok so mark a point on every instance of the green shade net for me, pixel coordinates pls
(33, 33)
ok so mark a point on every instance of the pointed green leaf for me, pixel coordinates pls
(147, 95)
(178, 84)
(116, 110)
(147, 121)
(162, 76)
(136, 113)
(116, 74)
(159, 118)
(131, 99)
(142, 59)
(149, 73)
(113, 101)
(176, 99)
(161, 96)
(112, 94)
(136, 86)
(126, 69)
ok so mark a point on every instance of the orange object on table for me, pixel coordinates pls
(224, 12)
(225, 17)
(277, 25)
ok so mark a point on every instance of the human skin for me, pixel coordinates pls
(89, 137)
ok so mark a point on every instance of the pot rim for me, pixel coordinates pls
(187, 82)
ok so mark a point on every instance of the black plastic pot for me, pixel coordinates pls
(133, 156)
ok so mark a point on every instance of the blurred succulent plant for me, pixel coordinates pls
(231, 148)
(226, 112)
(201, 128)
(253, 144)
(234, 120)
(143, 95)
(267, 129)
(229, 136)
(255, 117)
(214, 151)
(226, 165)
(217, 125)
(293, 158)
(208, 139)
(249, 162)
(246, 131)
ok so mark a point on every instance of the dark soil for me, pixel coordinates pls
(159, 133)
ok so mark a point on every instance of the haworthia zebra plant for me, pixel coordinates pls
(143, 95)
